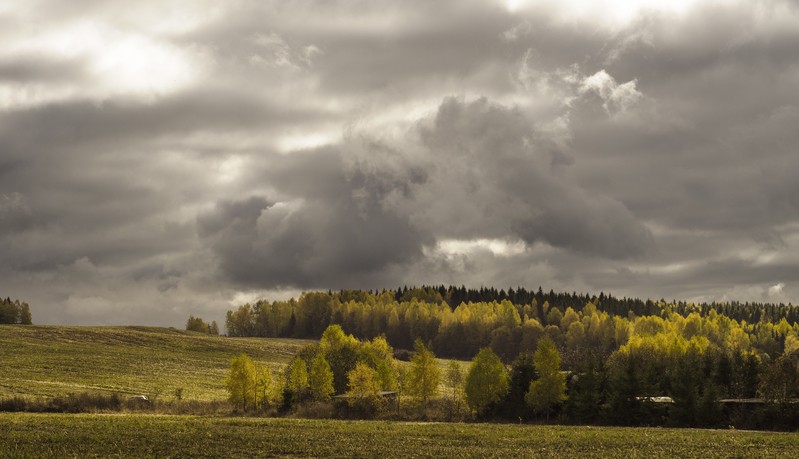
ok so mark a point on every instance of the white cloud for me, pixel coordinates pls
(498, 247)
(611, 14)
(776, 289)
(113, 62)
(307, 140)
(617, 98)
(135, 64)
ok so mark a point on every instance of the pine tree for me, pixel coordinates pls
(588, 392)
(522, 373)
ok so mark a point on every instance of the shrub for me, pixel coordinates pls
(314, 410)
(13, 404)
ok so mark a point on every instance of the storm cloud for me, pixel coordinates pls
(187, 156)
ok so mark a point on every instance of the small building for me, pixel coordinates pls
(656, 399)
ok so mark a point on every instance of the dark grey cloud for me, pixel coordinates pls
(15, 215)
(495, 163)
(342, 222)
(331, 229)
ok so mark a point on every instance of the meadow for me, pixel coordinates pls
(47, 361)
(144, 435)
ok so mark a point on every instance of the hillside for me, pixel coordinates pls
(43, 361)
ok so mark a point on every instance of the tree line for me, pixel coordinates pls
(364, 375)
(681, 365)
(508, 328)
(454, 296)
(691, 373)
(14, 312)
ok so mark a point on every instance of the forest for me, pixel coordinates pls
(14, 312)
(623, 361)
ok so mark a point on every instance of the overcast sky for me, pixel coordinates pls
(174, 157)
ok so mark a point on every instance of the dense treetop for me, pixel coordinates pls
(14, 312)
(457, 322)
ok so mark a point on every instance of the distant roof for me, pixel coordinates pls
(656, 399)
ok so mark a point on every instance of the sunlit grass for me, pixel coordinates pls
(43, 361)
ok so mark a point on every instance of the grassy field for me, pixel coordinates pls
(47, 361)
(43, 361)
(57, 435)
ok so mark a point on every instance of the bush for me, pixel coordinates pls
(359, 408)
(138, 403)
(13, 404)
(437, 410)
(314, 410)
(84, 402)
(72, 403)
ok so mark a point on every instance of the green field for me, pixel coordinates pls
(48, 361)
(59, 435)
(44, 361)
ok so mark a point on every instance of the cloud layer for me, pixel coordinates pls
(186, 156)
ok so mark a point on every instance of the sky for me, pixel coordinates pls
(174, 157)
